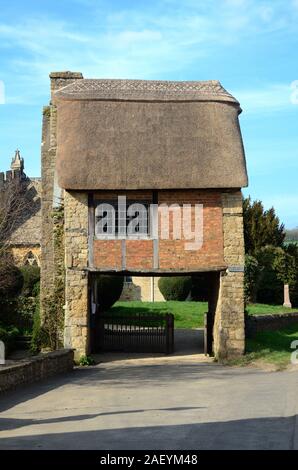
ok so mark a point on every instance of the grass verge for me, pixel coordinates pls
(269, 347)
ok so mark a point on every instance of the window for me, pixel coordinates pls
(122, 218)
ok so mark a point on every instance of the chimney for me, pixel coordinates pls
(61, 79)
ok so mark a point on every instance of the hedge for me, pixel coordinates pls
(109, 289)
(175, 287)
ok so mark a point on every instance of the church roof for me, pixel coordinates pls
(27, 230)
(142, 134)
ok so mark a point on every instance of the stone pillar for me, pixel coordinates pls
(48, 199)
(229, 338)
(76, 330)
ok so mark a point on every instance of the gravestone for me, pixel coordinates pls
(287, 302)
(2, 353)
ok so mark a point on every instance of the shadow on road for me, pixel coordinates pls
(262, 433)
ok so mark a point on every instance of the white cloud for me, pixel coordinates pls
(134, 43)
(272, 98)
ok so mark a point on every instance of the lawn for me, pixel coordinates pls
(270, 347)
(264, 309)
(187, 314)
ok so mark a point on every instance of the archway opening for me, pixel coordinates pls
(125, 327)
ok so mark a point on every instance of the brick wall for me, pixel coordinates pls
(172, 254)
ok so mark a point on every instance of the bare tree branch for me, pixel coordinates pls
(14, 206)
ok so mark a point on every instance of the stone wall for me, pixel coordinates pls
(229, 315)
(52, 197)
(35, 369)
(48, 153)
(76, 334)
(141, 288)
(258, 323)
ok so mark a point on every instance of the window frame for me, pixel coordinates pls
(129, 201)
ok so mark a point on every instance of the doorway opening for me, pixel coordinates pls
(153, 326)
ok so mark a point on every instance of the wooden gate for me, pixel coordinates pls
(208, 334)
(136, 333)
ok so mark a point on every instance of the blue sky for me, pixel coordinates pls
(251, 46)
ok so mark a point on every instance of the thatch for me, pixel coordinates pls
(135, 134)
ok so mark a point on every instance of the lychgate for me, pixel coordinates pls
(153, 145)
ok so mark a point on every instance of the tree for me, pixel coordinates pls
(261, 227)
(15, 201)
(11, 279)
(252, 275)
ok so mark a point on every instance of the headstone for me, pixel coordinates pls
(287, 302)
(2, 353)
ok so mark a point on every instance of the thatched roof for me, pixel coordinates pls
(137, 134)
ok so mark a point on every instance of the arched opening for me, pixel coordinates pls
(31, 259)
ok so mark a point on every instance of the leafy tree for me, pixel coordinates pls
(252, 274)
(277, 268)
(31, 276)
(11, 278)
(270, 287)
(285, 267)
(261, 227)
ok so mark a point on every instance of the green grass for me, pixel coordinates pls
(186, 314)
(270, 347)
(264, 309)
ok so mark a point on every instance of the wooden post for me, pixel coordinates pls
(169, 333)
(208, 334)
(205, 333)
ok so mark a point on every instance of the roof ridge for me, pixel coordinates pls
(128, 89)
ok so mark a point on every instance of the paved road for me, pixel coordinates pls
(154, 403)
